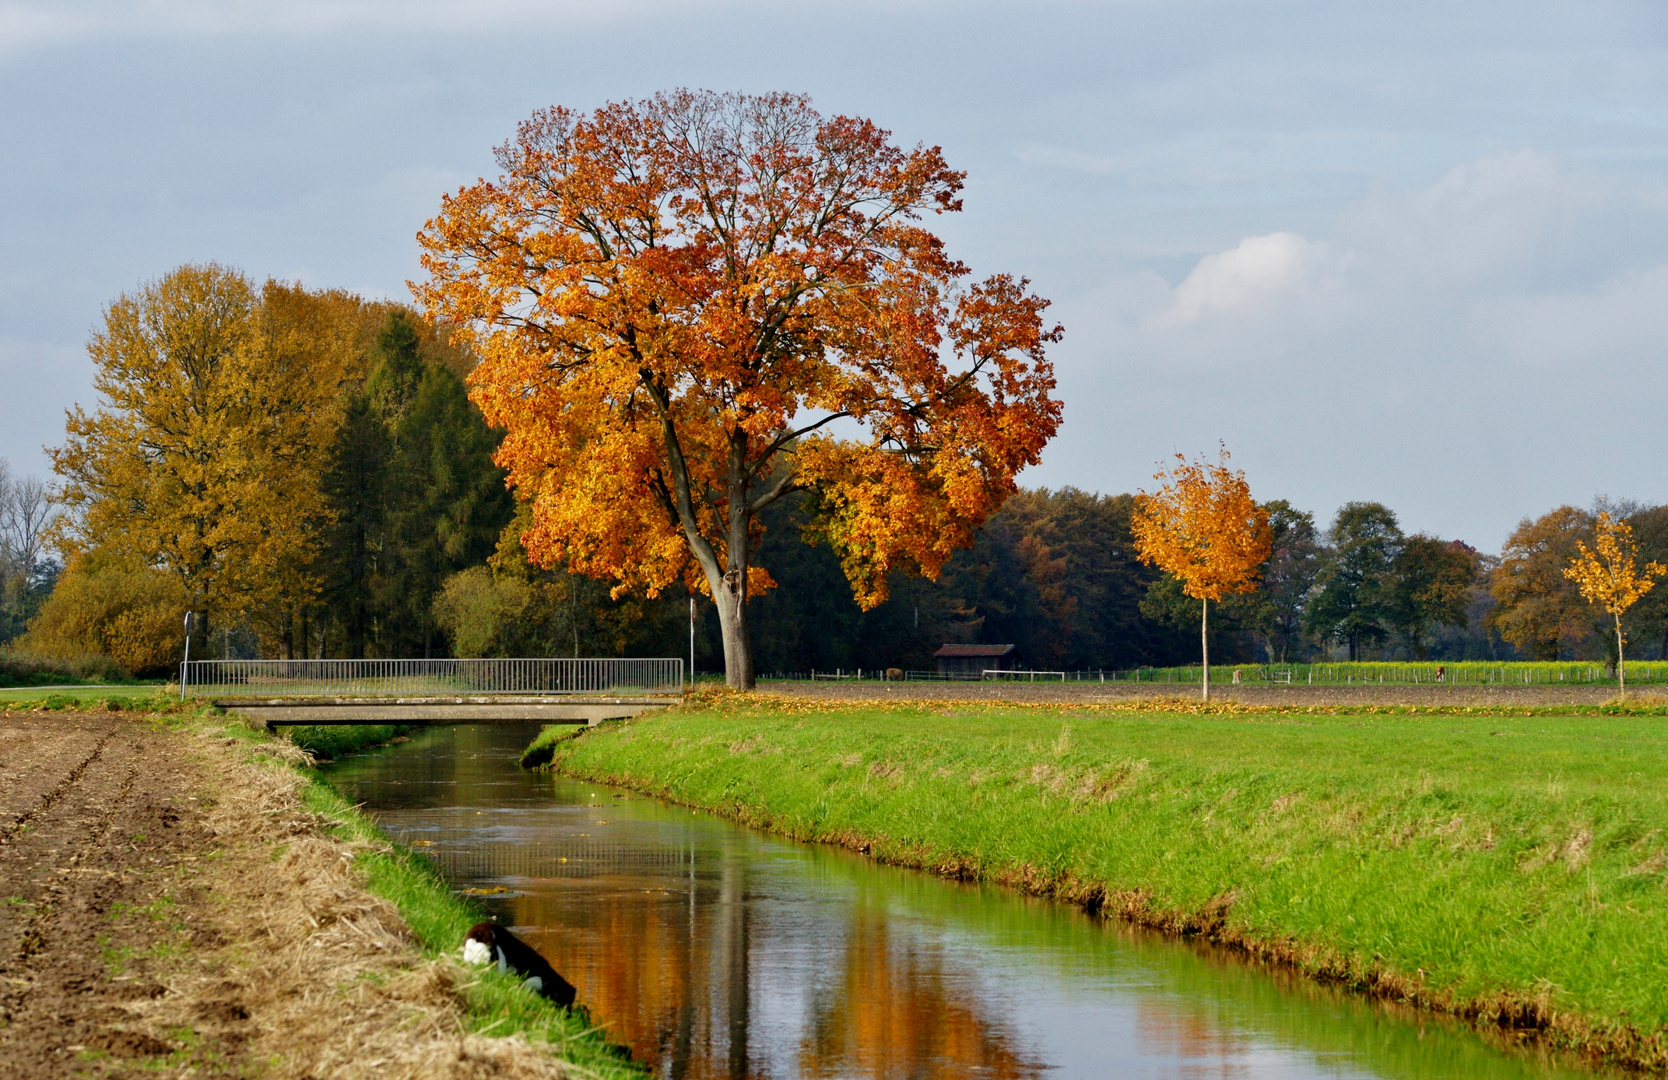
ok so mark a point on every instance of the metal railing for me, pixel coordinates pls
(989, 674)
(428, 678)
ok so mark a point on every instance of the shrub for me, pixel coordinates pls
(34, 671)
(116, 608)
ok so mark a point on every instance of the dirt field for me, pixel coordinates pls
(1079, 693)
(170, 909)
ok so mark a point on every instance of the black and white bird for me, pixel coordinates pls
(487, 943)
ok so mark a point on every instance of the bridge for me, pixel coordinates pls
(428, 692)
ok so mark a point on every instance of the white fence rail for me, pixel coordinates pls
(428, 678)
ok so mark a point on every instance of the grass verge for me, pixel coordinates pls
(149, 696)
(1509, 869)
(329, 741)
(495, 1004)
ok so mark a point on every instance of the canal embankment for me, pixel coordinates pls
(1499, 865)
(184, 896)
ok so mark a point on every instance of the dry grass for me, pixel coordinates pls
(304, 970)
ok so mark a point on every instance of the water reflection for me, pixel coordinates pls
(716, 952)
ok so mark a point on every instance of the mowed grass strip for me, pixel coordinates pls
(1508, 869)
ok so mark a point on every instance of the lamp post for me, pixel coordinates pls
(691, 644)
(185, 665)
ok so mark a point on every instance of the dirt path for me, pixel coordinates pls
(1083, 692)
(169, 908)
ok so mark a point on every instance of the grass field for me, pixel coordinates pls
(92, 692)
(1509, 869)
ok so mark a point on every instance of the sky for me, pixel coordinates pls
(1415, 253)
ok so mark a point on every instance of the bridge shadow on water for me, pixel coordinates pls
(714, 951)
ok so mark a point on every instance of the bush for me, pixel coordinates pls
(33, 671)
(120, 609)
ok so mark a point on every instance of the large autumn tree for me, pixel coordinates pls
(218, 402)
(1540, 610)
(689, 306)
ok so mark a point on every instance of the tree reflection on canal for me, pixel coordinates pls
(712, 951)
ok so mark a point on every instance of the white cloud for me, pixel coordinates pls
(1437, 349)
(1244, 277)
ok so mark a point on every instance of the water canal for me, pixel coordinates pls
(714, 951)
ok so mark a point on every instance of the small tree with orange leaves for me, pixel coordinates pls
(1610, 577)
(1204, 528)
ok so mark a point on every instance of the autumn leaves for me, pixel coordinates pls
(1203, 527)
(1609, 575)
(690, 306)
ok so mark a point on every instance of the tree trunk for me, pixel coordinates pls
(728, 584)
(1621, 662)
(1204, 642)
(731, 597)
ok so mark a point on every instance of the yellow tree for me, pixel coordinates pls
(688, 307)
(1609, 576)
(1203, 527)
(203, 459)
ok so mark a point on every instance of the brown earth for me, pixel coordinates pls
(169, 908)
(1078, 693)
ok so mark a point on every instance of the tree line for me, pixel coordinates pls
(305, 471)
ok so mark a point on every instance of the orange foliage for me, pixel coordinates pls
(1611, 577)
(1204, 528)
(688, 306)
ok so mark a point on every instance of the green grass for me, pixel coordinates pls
(92, 693)
(1467, 673)
(329, 741)
(495, 1003)
(1513, 869)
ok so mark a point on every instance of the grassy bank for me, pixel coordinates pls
(329, 741)
(1508, 869)
(495, 1004)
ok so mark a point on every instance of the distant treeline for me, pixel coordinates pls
(305, 471)
(1054, 574)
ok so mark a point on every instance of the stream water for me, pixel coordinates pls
(715, 951)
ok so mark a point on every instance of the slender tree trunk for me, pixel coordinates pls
(728, 584)
(1204, 642)
(1621, 662)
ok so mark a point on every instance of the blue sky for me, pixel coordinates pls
(1412, 252)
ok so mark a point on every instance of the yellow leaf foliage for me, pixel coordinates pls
(1608, 574)
(110, 606)
(204, 458)
(1203, 527)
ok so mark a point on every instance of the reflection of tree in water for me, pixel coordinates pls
(896, 1011)
(670, 978)
(1204, 1049)
(675, 982)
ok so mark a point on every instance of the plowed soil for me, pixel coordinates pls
(100, 821)
(168, 907)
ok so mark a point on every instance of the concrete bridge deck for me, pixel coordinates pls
(428, 710)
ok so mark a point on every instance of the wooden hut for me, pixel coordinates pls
(970, 661)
